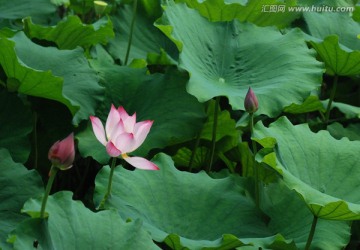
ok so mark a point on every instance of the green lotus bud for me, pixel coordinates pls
(100, 7)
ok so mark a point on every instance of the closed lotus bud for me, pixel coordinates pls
(62, 153)
(251, 102)
(100, 7)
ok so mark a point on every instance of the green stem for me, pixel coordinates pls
(192, 158)
(113, 165)
(213, 139)
(108, 192)
(53, 172)
(83, 11)
(322, 116)
(256, 171)
(253, 143)
(131, 32)
(311, 233)
(332, 96)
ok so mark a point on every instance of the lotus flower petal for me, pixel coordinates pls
(112, 150)
(112, 122)
(129, 123)
(141, 131)
(125, 143)
(123, 114)
(141, 163)
(98, 129)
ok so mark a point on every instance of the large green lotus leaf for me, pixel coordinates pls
(338, 59)
(348, 110)
(5, 30)
(150, 8)
(184, 209)
(323, 24)
(82, 7)
(15, 127)
(293, 219)
(26, 80)
(146, 37)
(71, 225)
(261, 13)
(356, 14)
(17, 184)
(225, 58)
(338, 131)
(61, 2)
(310, 104)
(22, 8)
(322, 3)
(61, 75)
(317, 166)
(71, 32)
(160, 97)
(229, 241)
(334, 37)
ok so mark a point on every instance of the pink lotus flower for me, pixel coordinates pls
(62, 153)
(251, 102)
(123, 135)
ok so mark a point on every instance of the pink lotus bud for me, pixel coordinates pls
(251, 102)
(62, 153)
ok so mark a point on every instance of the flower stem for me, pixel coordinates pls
(52, 174)
(256, 170)
(251, 116)
(193, 153)
(108, 191)
(113, 165)
(83, 11)
(213, 139)
(332, 96)
(311, 233)
(131, 32)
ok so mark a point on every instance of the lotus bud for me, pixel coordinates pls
(99, 7)
(62, 153)
(251, 102)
